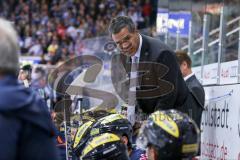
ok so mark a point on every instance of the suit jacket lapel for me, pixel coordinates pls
(190, 79)
(144, 55)
(144, 50)
(188, 82)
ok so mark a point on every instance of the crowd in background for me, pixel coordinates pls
(55, 29)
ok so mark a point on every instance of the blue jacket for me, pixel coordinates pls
(26, 129)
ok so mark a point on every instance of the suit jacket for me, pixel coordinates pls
(161, 85)
(196, 88)
(196, 99)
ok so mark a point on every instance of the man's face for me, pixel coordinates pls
(124, 140)
(22, 75)
(126, 41)
(151, 153)
(184, 68)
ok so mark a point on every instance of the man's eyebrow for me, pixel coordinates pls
(122, 39)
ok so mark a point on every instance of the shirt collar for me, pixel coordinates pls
(188, 76)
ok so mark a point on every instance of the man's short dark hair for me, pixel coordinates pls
(121, 22)
(182, 56)
(40, 71)
(27, 67)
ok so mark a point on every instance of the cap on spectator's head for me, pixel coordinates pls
(9, 63)
(27, 67)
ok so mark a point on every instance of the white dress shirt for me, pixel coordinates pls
(188, 76)
(132, 100)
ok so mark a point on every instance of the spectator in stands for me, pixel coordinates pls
(52, 48)
(146, 10)
(36, 49)
(194, 86)
(39, 83)
(26, 128)
(25, 75)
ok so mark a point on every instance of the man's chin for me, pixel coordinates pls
(128, 54)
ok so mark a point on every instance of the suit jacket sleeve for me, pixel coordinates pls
(155, 51)
(177, 96)
(197, 90)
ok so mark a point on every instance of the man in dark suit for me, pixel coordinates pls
(159, 83)
(194, 86)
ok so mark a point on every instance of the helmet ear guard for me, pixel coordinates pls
(173, 134)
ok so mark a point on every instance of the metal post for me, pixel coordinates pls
(190, 38)
(166, 2)
(206, 23)
(67, 117)
(178, 38)
(239, 53)
(80, 106)
(222, 41)
(66, 104)
(166, 37)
